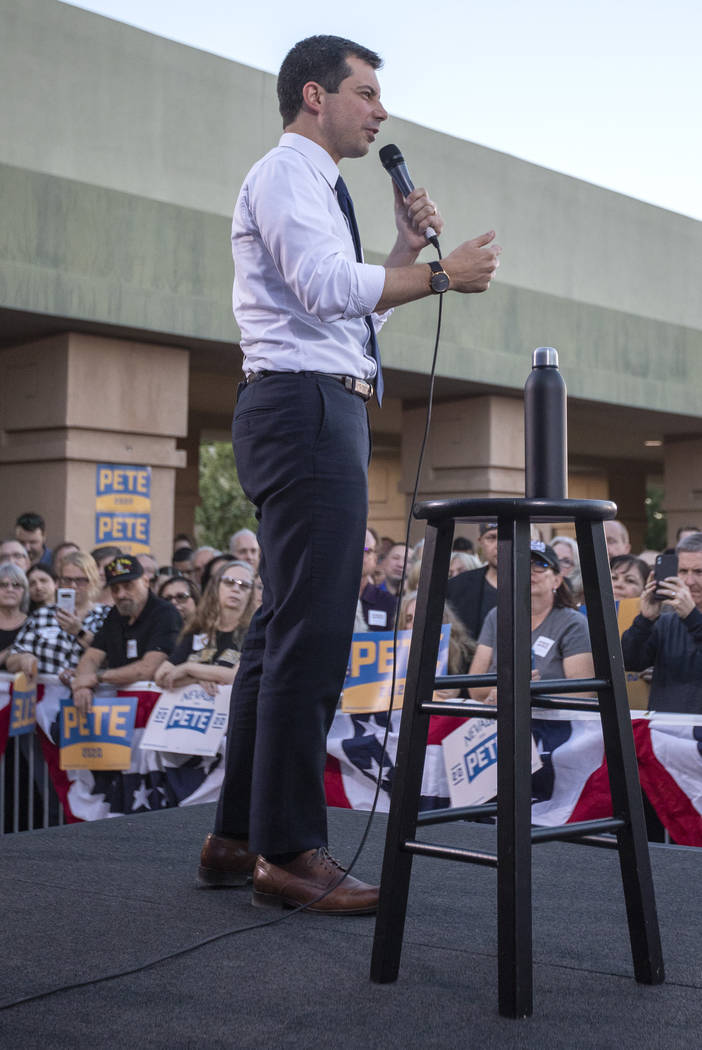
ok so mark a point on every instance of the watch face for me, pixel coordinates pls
(439, 282)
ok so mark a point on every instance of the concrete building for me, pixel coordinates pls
(120, 157)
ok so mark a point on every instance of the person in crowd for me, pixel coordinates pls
(138, 634)
(461, 645)
(212, 564)
(201, 557)
(376, 607)
(102, 557)
(617, 538)
(463, 545)
(30, 530)
(258, 592)
(568, 555)
(13, 600)
(649, 556)
(12, 550)
(53, 640)
(382, 546)
(183, 561)
(463, 561)
(683, 532)
(181, 592)
(560, 642)
(182, 540)
(59, 551)
(150, 566)
(243, 546)
(473, 594)
(667, 634)
(393, 566)
(629, 576)
(208, 648)
(42, 586)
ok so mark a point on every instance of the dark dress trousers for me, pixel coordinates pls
(302, 447)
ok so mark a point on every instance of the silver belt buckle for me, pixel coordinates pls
(361, 387)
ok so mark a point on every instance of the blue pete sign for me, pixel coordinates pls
(369, 674)
(101, 739)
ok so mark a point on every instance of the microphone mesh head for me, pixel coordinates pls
(390, 156)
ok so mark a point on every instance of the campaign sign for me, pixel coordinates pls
(101, 739)
(123, 507)
(470, 757)
(23, 713)
(188, 721)
(369, 674)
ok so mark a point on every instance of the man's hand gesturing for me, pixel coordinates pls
(472, 265)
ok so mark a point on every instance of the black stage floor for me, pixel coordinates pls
(88, 900)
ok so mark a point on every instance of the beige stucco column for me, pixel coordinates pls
(476, 448)
(682, 479)
(73, 401)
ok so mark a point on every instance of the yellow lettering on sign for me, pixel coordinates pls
(118, 717)
(362, 654)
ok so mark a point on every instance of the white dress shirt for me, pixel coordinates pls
(300, 297)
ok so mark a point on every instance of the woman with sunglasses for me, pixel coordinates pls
(560, 643)
(208, 648)
(183, 593)
(13, 600)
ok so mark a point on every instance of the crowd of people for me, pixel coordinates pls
(662, 642)
(107, 616)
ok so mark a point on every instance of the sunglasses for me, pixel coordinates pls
(245, 585)
(538, 565)
(182, 596)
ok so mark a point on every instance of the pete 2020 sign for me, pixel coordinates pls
(123, 507)
(101, 739)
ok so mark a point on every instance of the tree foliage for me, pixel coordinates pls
(656, 520)
(223, 506)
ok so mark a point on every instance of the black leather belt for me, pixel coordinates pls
(361, 387)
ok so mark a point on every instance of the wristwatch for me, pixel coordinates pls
(439, 280)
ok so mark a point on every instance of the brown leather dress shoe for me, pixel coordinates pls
(225, 862)
(305, 878)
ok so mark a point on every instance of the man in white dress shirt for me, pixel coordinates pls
(308, 308)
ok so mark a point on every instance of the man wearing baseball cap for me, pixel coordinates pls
(139, 632)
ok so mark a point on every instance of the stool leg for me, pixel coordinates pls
(622, 766)
(411, 751)
(514, 945)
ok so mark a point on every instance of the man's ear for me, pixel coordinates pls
(312, 96)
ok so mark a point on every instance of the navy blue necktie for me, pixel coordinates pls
(346, 205)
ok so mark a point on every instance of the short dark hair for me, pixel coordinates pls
(630, 561)
(30, 522)
(692, 544)
(318, 58)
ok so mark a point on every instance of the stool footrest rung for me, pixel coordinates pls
(462, 708)
(554, 685)
(448, 816)
(577, 829)
(468, 856)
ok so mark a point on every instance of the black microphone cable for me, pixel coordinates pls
(290, 912)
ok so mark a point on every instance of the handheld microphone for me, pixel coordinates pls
(394, 163)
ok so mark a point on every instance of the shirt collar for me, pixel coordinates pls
(315, 153)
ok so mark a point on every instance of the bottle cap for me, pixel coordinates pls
(544, 356)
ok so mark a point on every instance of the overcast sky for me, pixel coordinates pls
(606, 90)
